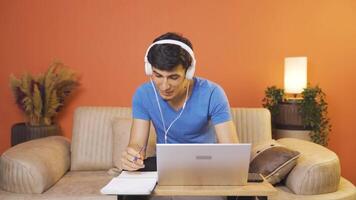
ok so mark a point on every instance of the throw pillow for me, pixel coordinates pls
(121, 136)
(273, 161)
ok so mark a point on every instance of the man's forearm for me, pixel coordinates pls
(226, 132)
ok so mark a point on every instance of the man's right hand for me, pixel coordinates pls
(132, 159)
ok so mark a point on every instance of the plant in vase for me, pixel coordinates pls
(311, 109)
(41, 98)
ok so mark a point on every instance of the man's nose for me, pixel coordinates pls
(165, 84)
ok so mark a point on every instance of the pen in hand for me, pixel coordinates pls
(139, 154)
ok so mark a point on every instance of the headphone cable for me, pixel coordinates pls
(161, 113)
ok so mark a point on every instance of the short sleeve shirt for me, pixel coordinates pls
(206, 107)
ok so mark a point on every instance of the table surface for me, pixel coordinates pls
(251, 189)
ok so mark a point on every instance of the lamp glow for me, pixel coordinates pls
(295, 74)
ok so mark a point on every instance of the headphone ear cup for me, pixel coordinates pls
(190, 72)
(148, 69)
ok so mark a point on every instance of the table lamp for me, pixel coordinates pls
(295, 77)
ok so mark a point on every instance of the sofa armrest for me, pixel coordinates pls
(317, 170)
(34, 166)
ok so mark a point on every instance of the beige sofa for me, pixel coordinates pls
(54, 168)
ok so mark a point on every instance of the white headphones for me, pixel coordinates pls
(191, 69)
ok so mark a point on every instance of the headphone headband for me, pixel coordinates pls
(191, 69)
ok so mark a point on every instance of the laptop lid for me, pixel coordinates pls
(203, 164)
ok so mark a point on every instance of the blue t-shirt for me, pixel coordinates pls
(207, 106)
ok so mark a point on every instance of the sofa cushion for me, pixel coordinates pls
(80, 185)
(34, 166)
(92, 137)
(273, 161)
(121, 137)
(253, 125)
(317, 170)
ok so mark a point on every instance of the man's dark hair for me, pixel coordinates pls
(168, 56)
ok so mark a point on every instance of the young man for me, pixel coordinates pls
(182, 108)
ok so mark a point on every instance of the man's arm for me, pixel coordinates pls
(226, 132)
(132, 158)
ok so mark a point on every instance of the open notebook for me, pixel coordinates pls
(130, 183)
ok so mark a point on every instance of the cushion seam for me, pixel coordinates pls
(284, 164)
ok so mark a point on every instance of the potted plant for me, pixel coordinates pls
(273, 97)
(41, 98)
(307, 113)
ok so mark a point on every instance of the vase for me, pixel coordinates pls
(289, 122)
(22, 132)
(289, 116)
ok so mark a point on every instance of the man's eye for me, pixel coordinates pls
(158, 76)
(174, 77)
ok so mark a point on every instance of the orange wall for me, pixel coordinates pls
(239, 44)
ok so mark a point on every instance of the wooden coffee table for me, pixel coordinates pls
(263, 189)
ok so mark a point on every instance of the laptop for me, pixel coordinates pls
(203, 164)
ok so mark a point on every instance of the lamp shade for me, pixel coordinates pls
(295, 74)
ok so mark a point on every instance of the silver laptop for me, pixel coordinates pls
(203, 164)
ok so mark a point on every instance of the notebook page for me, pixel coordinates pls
(129, 183)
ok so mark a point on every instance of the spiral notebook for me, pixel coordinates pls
(131, 183)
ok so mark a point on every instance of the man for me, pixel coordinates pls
(182, 108)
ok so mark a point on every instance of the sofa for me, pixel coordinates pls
(56, 168)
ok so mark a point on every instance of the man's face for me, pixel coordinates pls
(170, 84)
